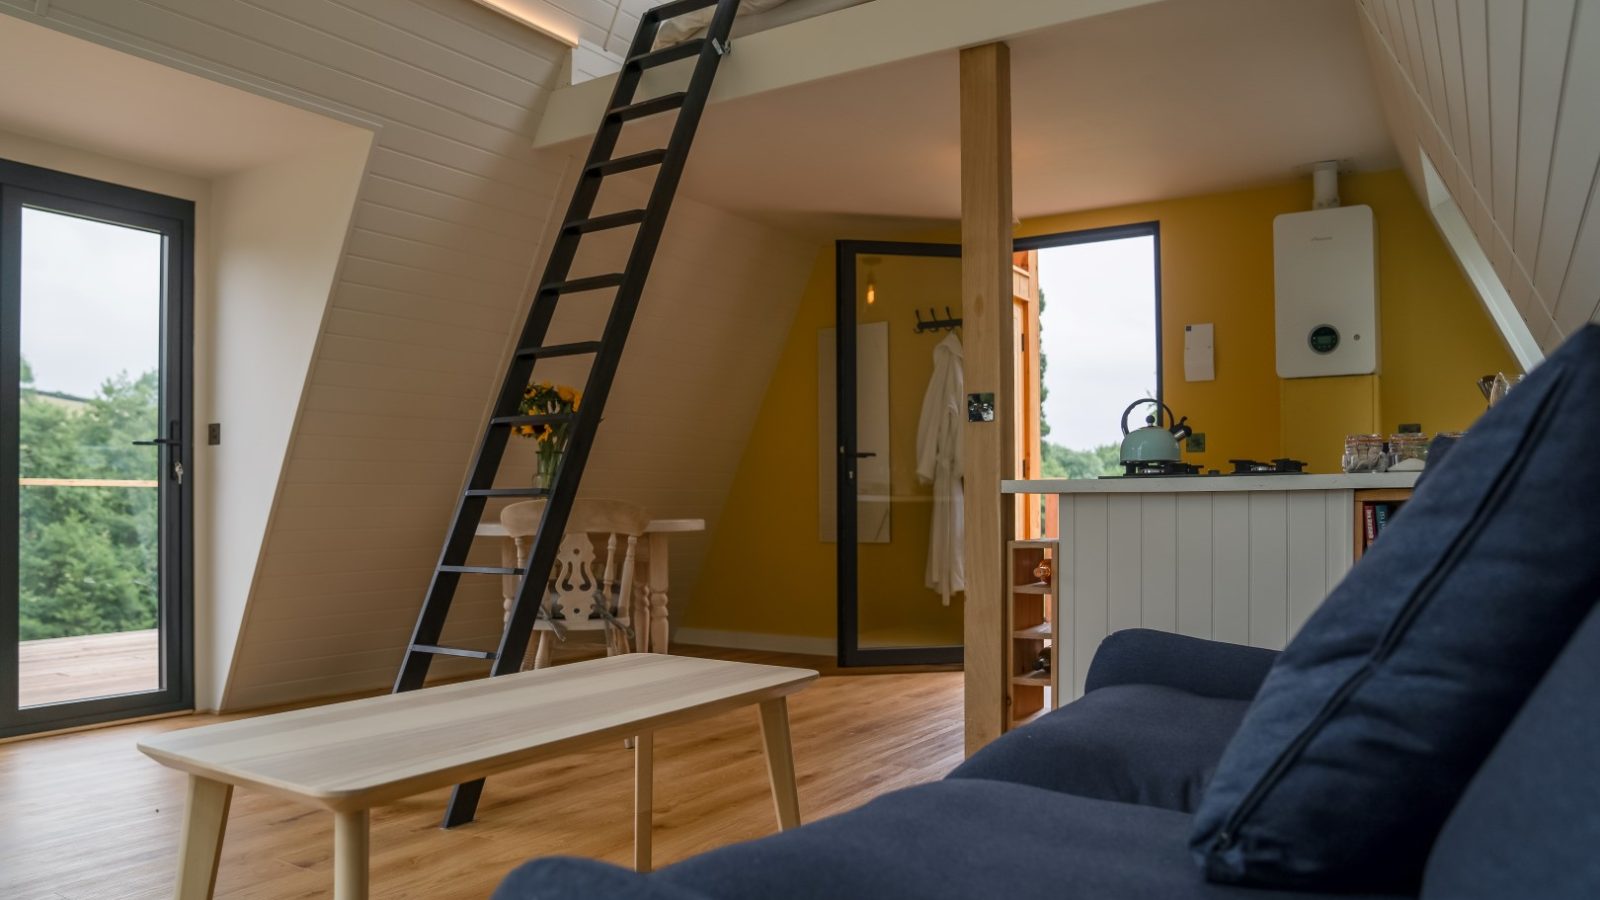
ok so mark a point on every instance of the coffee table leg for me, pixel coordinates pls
(643, 799)
(205, 819)
(351, 846)
(780, 762)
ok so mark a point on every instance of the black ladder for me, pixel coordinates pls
(606, 352)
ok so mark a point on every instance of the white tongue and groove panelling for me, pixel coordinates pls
(1504, 97)
(450, 219)
(1246, 567)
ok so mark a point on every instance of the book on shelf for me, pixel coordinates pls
(1381, 515)
(1370, 518)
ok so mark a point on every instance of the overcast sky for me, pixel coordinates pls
(1098, 335)
(91, 301)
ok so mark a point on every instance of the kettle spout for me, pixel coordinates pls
(1181, 431)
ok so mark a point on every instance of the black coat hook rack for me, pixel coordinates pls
(950, 322)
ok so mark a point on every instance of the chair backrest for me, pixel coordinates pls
(1528, 825)
(585, 574)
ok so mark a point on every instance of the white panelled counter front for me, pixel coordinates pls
(1239, 558)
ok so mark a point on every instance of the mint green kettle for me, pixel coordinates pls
(1153, 443)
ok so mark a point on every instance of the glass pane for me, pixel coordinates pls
(896, 606)
(89, 573)
(1097, 344)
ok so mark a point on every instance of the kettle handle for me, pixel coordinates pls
(1138, 403)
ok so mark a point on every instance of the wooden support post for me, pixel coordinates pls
(988, 348)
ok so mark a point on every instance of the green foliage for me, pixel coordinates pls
(88, 555)
(1060, 462)
(1044, 366)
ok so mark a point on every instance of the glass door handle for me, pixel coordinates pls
(865, 455)
(158, 442)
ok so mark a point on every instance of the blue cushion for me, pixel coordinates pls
(1373, 720)
(950, 840)
(1134, 743)
(1529, 824)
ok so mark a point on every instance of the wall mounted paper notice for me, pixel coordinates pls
(1199, 361)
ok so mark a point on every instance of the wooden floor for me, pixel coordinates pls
(94, 665)
(87, 817)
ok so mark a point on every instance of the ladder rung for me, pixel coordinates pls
(667, 54)
(480, 570)
(553, 419)
(674, 10)
(651, 107)
(579, 285)
(628, 163)
(601, 223)
(556, 350)
(509, 492)
(454, 651)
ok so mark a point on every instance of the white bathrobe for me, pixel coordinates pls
(939, 440)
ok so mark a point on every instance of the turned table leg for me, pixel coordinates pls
(657, 588)
(351, 849)
(780, 762)
(205, 819)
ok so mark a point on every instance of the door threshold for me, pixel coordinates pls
(92, 726)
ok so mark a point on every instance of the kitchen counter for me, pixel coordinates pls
(1212, 484)
(1238, 558)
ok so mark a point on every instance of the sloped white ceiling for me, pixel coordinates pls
(1148, 102)
(1504, 97)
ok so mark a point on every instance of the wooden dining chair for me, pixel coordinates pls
(591, 586)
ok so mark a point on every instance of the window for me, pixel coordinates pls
(1099, 342)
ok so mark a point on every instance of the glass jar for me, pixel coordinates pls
(1364, 453)
(1404, 447)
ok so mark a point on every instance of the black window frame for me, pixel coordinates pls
(26, 186)
(1151, 229)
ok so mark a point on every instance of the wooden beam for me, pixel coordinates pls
(988, 348)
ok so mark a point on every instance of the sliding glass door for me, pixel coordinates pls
(95, 298)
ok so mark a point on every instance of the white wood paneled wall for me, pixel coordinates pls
(450, 221)
(1245, 567)
(1504, 97)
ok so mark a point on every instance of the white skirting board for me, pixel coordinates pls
(1246, 567)
(751, 640)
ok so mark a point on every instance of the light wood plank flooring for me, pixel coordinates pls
(94, 665)
(87, 817)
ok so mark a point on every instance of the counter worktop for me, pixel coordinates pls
(1211, 484)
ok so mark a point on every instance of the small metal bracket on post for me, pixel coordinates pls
(723, 48)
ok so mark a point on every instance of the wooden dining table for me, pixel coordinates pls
(653, 613)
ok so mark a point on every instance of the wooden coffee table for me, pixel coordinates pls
(350, 757)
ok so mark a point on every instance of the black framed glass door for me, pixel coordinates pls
(896, 604)
(96, 292)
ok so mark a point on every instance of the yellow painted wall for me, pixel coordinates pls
(774, 575)
(766, 572)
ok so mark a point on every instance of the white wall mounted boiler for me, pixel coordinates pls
(1326, 276)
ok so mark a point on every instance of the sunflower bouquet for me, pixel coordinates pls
(545, 399)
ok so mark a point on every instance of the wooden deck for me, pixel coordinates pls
(96, 665)
(90, 818)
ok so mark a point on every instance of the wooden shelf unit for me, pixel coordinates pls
(1032, 624)
(1394, 498)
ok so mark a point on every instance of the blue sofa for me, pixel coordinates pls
(1092, 802)
(1432, 732)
